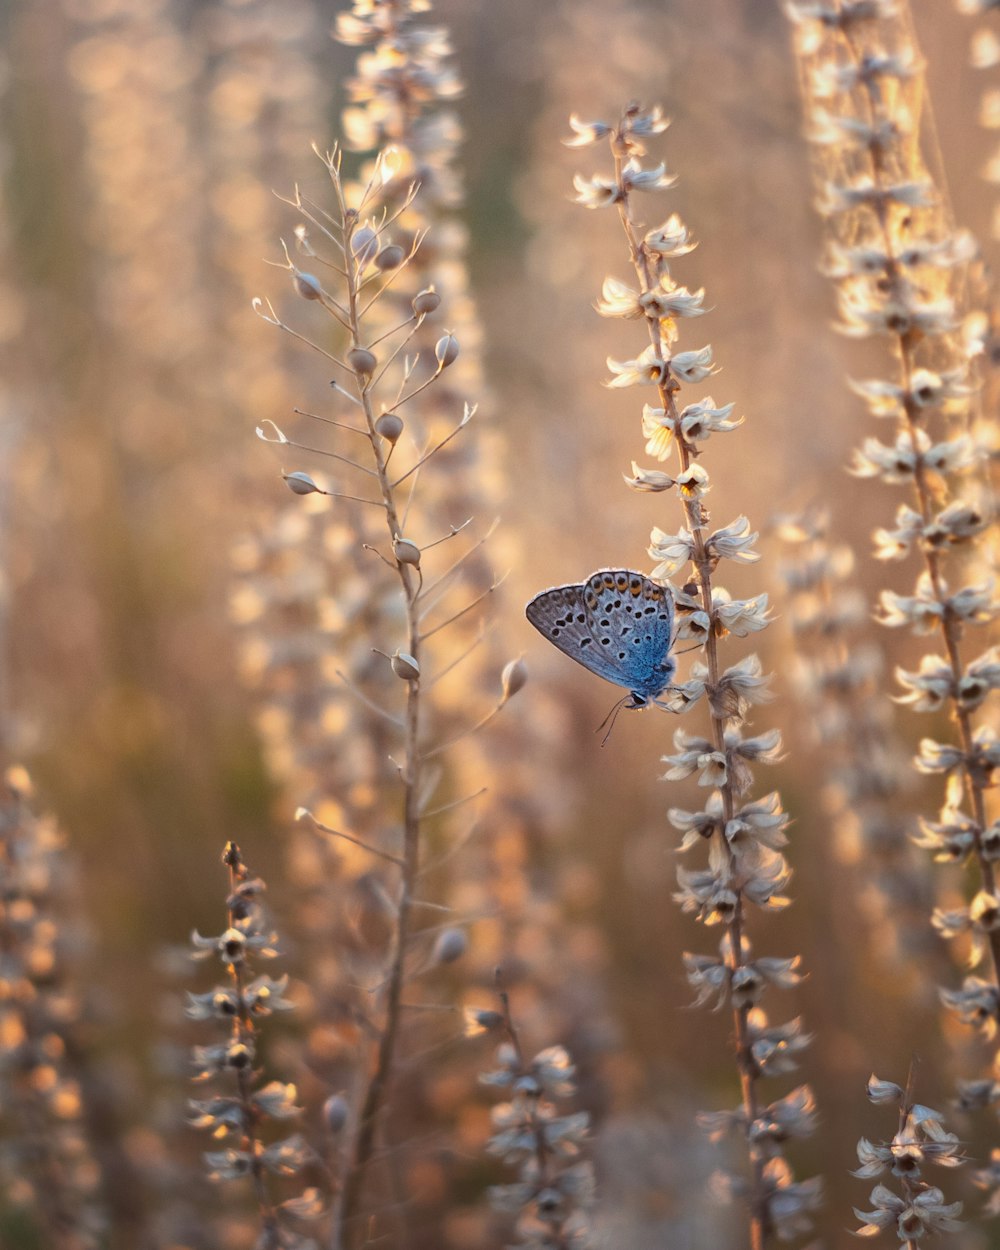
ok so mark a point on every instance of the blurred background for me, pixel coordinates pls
(141, 145)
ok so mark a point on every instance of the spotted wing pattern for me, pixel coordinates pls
(618, 624)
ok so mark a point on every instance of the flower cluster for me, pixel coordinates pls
(236, 1115)
(744, 836)
(555, 1187)
(914, 1208)
(901, 278)
(45, 1157)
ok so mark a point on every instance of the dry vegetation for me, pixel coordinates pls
(453, 1010)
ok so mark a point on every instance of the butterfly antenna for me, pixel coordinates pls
(612, 716)
(694, 647)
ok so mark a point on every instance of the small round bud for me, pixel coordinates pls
(390, 257)
(389, 426)
(481, 1020)
(451, 944)
(426, 301)
(307, 285)
(446, 350)
(405, 666)
(364, 244)
(513, 677)
(406, 552)
(300, 483)
(335, 1113)
(362, 361)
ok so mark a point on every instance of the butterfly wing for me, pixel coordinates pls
(618, 624)
(562, 616)
(633, 619)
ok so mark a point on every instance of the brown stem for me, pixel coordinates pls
(346, 1221)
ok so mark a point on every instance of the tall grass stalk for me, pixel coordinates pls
(745, 865)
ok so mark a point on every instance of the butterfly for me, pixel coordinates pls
(619, 624)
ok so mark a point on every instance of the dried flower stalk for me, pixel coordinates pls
(383, 381)
(44, 1149)
(918, 1209)
(899, 265)
(554, 1191)
(744, 838)
(243, 1108)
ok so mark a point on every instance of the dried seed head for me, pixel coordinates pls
(451, 944)
(390, 257)
(406, 552)
(301, 483)
(389, 426)
(513, 677)
(405, 666)
(362, 361)
(446, 350)
(426, 301)
(364, 244)
(335, 1113)
(307, 285)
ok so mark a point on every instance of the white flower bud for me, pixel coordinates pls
(446, 350)
(405, 666)
(879, 1091)
(406, 552)
(300, 483)
(389, 426)
(513, 677)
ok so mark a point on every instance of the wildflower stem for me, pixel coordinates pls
(950, 627)
(704, 563)
(559, 1238)
(242, 1035)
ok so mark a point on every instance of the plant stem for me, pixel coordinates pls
(346, 1221)
(697, 519)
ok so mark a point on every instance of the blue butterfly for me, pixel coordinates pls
(619, 624)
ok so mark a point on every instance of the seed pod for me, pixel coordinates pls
(300, 483)
(335, 1113)
(446, 350)
(405, 666)
(451, 944)
(406, 552)
(362, 361)
(425, 301)
(307, 285)
(389, 426)
(390, 257)
(364, 244)
(513, 677)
